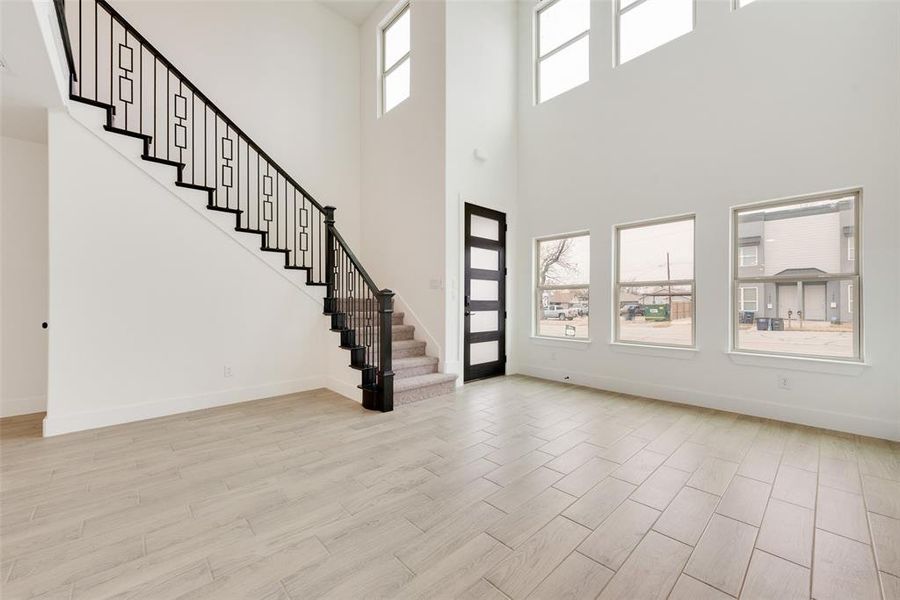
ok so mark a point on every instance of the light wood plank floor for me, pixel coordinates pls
(512, 487)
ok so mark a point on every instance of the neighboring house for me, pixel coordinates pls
(566, 298)
(770, 243)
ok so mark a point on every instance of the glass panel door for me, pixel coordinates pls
(485, 293)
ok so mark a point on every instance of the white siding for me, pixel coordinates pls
(811, 242)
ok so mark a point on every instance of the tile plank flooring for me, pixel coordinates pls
(509, 488)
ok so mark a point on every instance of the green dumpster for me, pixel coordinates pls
(656, 312)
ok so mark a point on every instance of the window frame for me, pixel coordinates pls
(384, 70)
(744, 301)
(736, 4)
(854, 277)
(617, 284)
(538, 288)
(755, 262)
(618, 11)
(540, 7)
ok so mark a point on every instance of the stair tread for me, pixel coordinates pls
(413, 361)
(420, 381)
(407, 343)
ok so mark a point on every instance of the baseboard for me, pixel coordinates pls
(344, 388)
(59, 424)
(26, 405)
(836, 421)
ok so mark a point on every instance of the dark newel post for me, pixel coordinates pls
(385, 401)
(329, 258)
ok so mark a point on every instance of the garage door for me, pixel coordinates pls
(787, 300)
(814, 302)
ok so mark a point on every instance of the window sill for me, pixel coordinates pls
(799, 363)
(651, 350)
(552, 341)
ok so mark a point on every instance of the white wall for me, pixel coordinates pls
(23, 276)
(403, 172)
(149, 301)
(779, 98)
(287, 73)
(481, 114)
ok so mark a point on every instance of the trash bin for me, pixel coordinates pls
(777, 324)
(762, 324)
(656, 312)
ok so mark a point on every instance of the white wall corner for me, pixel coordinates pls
(11, 407)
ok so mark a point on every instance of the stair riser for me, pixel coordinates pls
(408, 352)
(402, 333)
(413, 371)
(422, 393)
(397, 319)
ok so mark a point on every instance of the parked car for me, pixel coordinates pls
(583, 310)
(638, 309)
(558, 311)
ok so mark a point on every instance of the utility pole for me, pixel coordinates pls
(669, 280)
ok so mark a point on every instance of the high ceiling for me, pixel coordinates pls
(356, 11)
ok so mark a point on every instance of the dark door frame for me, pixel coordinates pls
(498, 367)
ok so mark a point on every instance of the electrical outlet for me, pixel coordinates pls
(227, 372)
(784, 383)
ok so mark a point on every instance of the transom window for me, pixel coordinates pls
(642, 25)
(563, 290)
(563, 46)
(654, 283)
(807, 287)
(395, 59)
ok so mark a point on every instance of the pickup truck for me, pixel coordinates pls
(557, 311)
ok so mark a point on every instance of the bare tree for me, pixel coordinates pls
(555, 261)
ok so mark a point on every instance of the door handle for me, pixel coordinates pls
(467, 313)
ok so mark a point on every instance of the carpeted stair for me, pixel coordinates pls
(416, 375)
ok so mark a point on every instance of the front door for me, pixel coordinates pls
(484, 321)
(788, 300)
(814, 298)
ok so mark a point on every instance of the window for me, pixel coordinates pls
(654, 283)
(851, 248)
(395, 60)
(750, 299)
(563, 291)
(563, 45)
(749, 256)
(805, 289)
(643, 25)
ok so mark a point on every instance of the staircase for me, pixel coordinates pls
(144, 96)
(416, 375)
